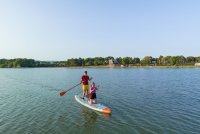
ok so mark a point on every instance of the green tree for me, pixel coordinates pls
(190, 60)
(126, 60)
(197, 59)
(177, 60)
(136, 60)
(119, 60)
(99, 61)
(75, 62)
(167, 60)
(161, 60)
(147, 60)
(89, 62)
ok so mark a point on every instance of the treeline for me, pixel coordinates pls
(128, 61)
(97, 61)
(100, 61)
(170, 60)
(23, 62)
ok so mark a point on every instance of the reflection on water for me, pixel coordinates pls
(103, 115)
(89, 117)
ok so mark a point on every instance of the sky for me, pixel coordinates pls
(63, 29)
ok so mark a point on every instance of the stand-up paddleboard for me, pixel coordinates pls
(97, 106)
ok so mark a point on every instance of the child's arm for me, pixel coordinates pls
(90, 89)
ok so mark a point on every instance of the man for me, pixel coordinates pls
(84, 80)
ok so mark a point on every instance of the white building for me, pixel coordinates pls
(113, 63)
(197, 64)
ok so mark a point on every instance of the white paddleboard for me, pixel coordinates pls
(97, 107)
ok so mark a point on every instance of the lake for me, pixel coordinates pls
(143, 101)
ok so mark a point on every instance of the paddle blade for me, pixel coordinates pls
(62, 93)
(89, 95)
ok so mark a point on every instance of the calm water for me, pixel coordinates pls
(144, 101)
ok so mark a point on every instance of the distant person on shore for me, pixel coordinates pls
(93, 97)
(84, 80)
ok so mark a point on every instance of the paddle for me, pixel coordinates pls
(89, 95)
(63, 93)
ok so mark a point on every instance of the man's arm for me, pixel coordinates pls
(90, 78)
(81, 80)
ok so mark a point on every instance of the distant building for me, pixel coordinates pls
(197, 64)
(154, 63)
(46, 62)
(113, 63)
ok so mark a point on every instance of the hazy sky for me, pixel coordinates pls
(62, 29)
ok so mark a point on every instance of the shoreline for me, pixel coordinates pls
(109, 67)
(132, 67)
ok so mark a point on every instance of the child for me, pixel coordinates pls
(93, 98)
